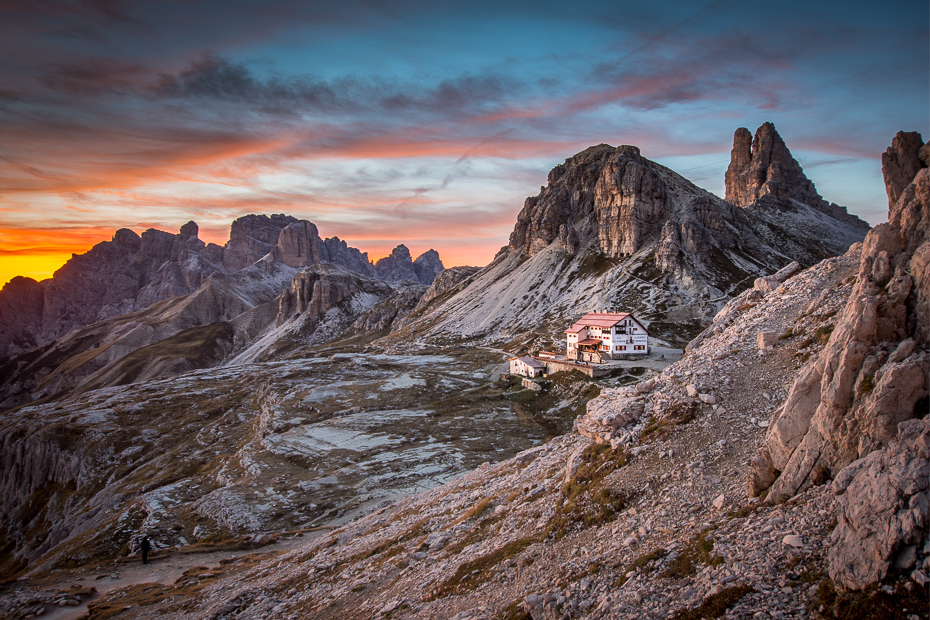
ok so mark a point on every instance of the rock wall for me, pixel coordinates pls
(882, 509)
(398, 266)
(874, 372)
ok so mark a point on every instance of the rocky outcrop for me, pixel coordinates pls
(337, 252)
(874, 372)
(901, 162)
(393, 309)
(23, 300)
(768, 182)
(447, 280)
(251, 237)
(763, 165)
(298, 245)
(399, 267)
(318, 289)
(427, 266)
(882, 510)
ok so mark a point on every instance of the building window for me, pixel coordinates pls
(639, 347)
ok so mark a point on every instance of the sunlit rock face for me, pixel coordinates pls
(874, 372)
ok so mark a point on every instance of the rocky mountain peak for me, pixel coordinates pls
(901, 162)
(251, 237)
(190, 229)
(427, 266)
(762, 166)
(298, 245)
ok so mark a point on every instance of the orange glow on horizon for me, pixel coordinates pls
(39, 252)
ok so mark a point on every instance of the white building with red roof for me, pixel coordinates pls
(606, 335)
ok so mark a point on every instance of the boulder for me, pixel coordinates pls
(882, 508)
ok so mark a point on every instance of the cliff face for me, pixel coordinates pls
(763, 166)
(399, 267)
(875, 370)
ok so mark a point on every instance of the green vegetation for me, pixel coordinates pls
(475, 572)
(823, 333)
(678, 414)
(642, 563)
(585, 501)
(696, 550)
(789, 333)
(595, 264)
(872, 603)
(715, 605)
(868, 384)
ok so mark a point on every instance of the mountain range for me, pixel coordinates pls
(180, 399)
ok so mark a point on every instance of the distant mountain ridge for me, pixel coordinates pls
(131, 272)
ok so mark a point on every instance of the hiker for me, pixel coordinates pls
(145, 546)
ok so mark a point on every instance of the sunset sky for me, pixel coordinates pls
(420, 122)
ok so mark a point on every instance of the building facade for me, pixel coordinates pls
(527, 367)
(606, 335)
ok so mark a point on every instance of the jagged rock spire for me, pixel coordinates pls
(763, 166)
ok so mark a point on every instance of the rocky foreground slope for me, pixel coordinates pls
(650, 509)
(614, 230)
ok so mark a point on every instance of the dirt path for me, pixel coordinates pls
(163, 567)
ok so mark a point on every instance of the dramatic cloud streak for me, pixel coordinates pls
(419, 122)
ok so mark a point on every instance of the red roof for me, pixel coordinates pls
(597, 319)
(590, 341)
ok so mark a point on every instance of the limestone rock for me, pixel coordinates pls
(764, 166)
(769, 183)
(298, 245)
(251, 237)
(21, 303)
(901, 163)
(427, 266)
(764, 340)
(447, 280)
(319, 288)
(337, 252)
(873, 373)
(397, 267)
(882, 509)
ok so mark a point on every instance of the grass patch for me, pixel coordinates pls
(822, 334)
(868, 384)
(584, 500)
(872, 603)
(697, 550)
(595, 264)
(642, 563)
(678, 414)
(514, 611)
(473, 573)
(789, 333)
(715, 605)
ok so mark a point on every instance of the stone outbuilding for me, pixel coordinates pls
(527, 367)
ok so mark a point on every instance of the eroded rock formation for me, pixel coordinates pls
(874, 372)
(901, 162)
(399, 267)
(763, 165)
